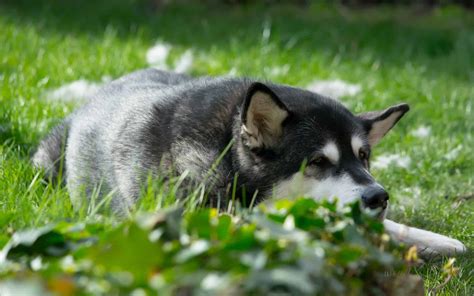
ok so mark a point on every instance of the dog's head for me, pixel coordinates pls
(297, 143)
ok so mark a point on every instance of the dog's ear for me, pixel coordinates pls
(262, 117)
(378, 123)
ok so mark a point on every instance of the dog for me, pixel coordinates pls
(280, 142)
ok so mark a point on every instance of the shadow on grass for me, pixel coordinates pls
(441, 44)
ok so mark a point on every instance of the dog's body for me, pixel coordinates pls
(282, 142)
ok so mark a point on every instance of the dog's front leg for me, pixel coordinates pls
(429, 244)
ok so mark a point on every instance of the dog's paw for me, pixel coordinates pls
(442, 246)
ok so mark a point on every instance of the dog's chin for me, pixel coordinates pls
(382, 214)
(378, 213)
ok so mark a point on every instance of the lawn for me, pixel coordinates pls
(424, 58)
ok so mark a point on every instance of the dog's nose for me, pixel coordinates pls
(375, 197)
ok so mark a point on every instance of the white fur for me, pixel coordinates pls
(356, 143)
(331, 151)
(298, 185)
(429, 244)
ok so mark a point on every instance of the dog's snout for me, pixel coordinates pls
(375, 197)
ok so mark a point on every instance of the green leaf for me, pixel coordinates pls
(128, 248)
(224, 227)
(199, 224)
(42, 241)
(348, 254)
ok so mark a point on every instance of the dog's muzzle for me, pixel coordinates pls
(375, 197)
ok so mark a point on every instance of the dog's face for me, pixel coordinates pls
(301, 144)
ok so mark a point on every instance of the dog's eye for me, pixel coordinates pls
(319, 161)
(363, 155)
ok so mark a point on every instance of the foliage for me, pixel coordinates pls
(294, 247)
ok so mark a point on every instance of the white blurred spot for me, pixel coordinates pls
(138, 292)
(212, 281)
(267, 31)
(454, 153)
(408, 198)
(78, 90)
(289, 223)
(67, 264)
(157, 281)
(278, 71)
(422, 131)
(233, 72)
(106, 78)
(22, 287)
(386, 160)
(415, 192)
(185, 62)
(156, 56)
(36, 264)
(334, 88)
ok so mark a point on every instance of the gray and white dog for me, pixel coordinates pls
(284, 142)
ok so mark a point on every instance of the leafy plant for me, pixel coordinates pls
(297, 247)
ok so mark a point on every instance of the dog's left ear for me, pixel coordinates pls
(263, 114)
(378, 123)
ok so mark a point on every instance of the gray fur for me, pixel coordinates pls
(152, 122)
(50, 152)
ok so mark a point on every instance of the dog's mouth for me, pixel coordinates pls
(381, 206)
(381, 215)
(379, 211)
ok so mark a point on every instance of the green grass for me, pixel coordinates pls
(396, 55)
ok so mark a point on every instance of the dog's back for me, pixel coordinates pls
(49, 155)
(109, 100)
(132, 125)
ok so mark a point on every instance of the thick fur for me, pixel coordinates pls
(284, 142)
(50, 152)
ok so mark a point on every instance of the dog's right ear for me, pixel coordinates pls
(262, 117)
(378, 123)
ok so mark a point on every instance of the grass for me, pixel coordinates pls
(396, 54)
